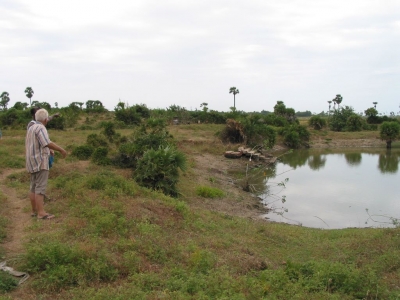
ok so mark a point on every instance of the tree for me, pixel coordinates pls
(390, 131)
(204, 106)
(338, 99)
(233, 90)
(4, 100)
(29, 93)
(329, 107)
(20, 105)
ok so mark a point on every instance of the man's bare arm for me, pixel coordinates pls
(54, 146)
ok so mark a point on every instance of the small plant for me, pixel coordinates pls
(7, 282)
(209, 192)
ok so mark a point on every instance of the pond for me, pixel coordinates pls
(331, 189)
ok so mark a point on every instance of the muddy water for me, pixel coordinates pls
(335, 188)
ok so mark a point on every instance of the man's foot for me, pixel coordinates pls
(46, 217)
(33, 214)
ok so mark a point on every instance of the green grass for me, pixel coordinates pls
(114, 239)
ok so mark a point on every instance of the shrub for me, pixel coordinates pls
(83, 152)
(7, 282)
(338, 120)
(58, 123)
(209, 192)
(96, 140)
(99, 156)
(295, 136)
(317, 122)
(109, 131)
(150, 136)
(132, 115)
(158, 170)
(354, 123)
(389, 132)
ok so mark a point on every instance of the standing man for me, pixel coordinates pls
(37, 151)
(33, 112)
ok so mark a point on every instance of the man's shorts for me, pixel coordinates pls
(39, 182)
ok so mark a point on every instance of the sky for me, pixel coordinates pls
(184, 52)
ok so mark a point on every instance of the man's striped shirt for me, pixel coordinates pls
(37, 154)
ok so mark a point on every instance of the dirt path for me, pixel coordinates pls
(17, 215)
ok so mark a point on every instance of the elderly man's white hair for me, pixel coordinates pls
(41, 115)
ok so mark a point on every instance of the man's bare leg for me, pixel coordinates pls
(39, 200)
(33, 203)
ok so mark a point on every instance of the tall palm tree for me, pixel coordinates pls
(233, 90)
(29, 93)
(338, 100)
(329, 107)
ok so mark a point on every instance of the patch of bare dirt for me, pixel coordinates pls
(18, 218)
(349, 143)
(212, 170)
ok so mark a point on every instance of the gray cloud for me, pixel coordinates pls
(189, 52)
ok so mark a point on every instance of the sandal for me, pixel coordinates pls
(47, 217)
(33, 215)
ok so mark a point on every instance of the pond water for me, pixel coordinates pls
(334, 188)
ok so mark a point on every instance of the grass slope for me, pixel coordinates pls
(115, 240)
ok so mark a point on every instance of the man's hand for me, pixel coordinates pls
(63, 153)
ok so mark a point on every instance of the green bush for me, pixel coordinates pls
(109, 131)
(99, 156)
(7, 282)
(209, 192)
(295, 136)
(389, 132)
(149, 136)
(354, 123)
(317, 122)
(338, 120)
(159, 170)
(96, 140)
(83, 152)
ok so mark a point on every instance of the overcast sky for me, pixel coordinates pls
(187, 52)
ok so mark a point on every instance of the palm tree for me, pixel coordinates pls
(29, 93)
(4, 99)
(233, 90)
(375, 103)
(329, 107)
(338, 99)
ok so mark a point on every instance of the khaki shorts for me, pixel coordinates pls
(39, 182)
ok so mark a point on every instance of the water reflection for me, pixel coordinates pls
(388, 162)
(333, 188)
(353, 159)
(316, 161)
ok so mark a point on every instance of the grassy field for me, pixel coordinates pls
(113, 239)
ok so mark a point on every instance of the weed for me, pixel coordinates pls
(209, 192)
(7, 282)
